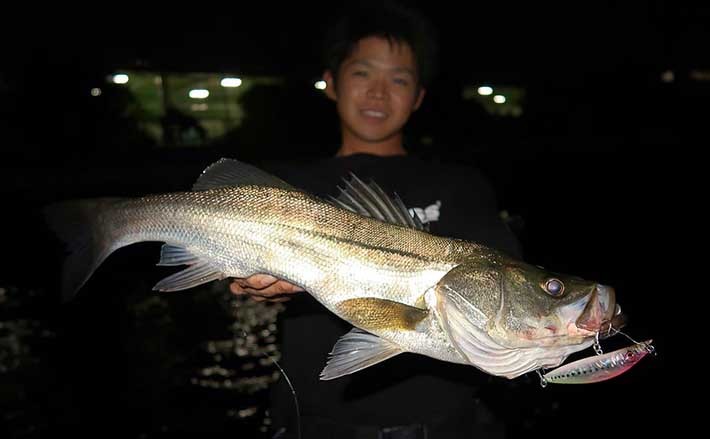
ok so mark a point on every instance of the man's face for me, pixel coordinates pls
(376, 90)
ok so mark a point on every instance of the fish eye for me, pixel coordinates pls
(554, 287)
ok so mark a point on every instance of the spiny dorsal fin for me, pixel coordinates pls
(355, 351)
(229, 173)
(370, 200)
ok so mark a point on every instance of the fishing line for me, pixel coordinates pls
(649, 347)
(618, 331)
(288, 381)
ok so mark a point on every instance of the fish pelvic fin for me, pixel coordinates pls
(355, 351)
(199, 272)
(171, 255)
(229, 173)
(88, 239)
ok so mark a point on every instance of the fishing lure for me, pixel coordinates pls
(599, 367)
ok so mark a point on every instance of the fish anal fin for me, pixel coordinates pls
(171, 255)
(372, 314)
(355, 351)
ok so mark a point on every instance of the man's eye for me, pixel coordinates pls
(360, 73)
(401, 81)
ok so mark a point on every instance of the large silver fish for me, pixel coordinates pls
(362, 256)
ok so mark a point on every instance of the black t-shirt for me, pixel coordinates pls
(457, 202)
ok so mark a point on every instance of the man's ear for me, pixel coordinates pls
(420, 98)
(330, 85)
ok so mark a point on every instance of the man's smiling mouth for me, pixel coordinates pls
(373, 113)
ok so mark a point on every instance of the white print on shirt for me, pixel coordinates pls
(429, 214)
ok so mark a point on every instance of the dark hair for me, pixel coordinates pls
(385, 19)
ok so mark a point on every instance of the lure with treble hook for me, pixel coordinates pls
(599, 367)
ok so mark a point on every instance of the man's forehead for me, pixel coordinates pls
(383, 53)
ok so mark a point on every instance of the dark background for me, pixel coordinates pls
(597, 173)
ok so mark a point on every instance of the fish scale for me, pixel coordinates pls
(302, 248)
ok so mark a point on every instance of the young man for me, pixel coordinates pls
(378, 65)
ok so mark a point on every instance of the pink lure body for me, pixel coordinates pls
(599, 367)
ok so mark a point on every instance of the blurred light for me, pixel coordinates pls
(667, 76)
(95, 91)
(230, 82)
(199, 93)
(247, 412)
(199, 107)
(485, 91)
(320, 85)
(700, 75)
(498, 99)
(120, 78)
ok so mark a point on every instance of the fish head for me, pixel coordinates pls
(508, 318)
(542, 308)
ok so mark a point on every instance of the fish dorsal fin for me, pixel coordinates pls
(370, 200)
(229, 173)
(355, 351)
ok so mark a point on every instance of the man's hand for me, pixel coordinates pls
(263, 287)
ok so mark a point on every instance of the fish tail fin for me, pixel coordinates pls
(78, 223)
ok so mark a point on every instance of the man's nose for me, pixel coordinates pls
(377, 89)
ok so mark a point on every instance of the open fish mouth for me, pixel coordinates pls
(599, 309)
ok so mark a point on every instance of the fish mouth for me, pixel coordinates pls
(601, 313)
(612, 326)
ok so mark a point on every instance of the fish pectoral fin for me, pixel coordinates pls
(171, 255)
(373, 313)
(355, 351)
(199, 273)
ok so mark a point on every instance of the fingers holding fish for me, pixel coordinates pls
(264, 287)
